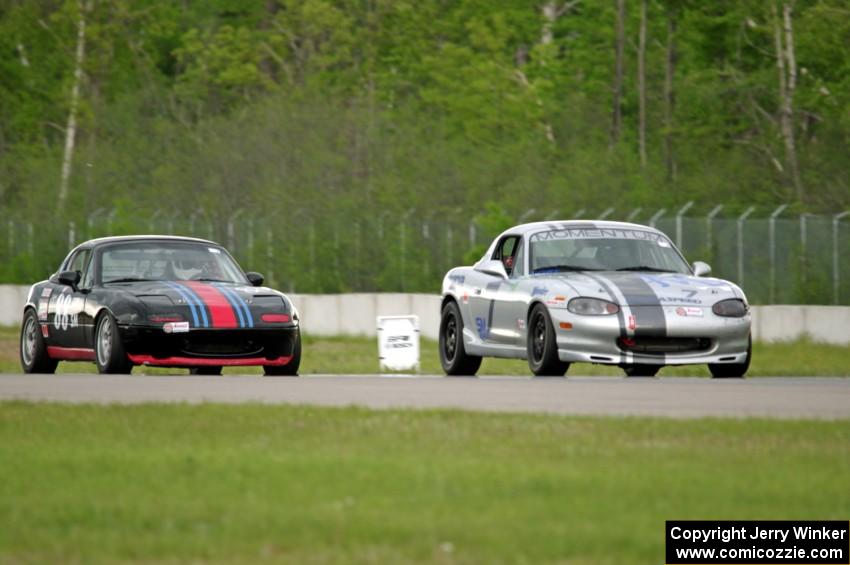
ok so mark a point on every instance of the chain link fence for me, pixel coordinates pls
(782, 259)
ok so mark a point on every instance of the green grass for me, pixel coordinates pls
(244, 484)
(360, 355)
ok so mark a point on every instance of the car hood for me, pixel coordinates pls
(642, 288)
(207, 304)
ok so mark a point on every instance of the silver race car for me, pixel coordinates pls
(613, 293)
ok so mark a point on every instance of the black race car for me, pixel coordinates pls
(159, 301)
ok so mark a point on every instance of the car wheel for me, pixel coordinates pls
(733, 370)
(206, 370)
(542, 345)
(34, 357)
(639, 370)
(291, 368)
(453, 356)
(110, 356)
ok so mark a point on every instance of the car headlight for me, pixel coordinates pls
(732, 308)
(592, 307)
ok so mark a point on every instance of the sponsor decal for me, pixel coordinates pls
(632, 323)
(46, 292)
(483, 331)
(460, 279)
(597, 233)
(175, 327)
(540, 291)
(466, 298)
(520, 323)
(557, 301)
(689, 311)
(42, 311)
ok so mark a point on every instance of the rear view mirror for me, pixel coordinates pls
(701, 269)
(255, 279)
(493, 267)
(69, 278)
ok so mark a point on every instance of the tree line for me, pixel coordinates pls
(341, 109)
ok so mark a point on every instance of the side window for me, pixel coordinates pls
(506, 253)
(87, 280)
(519, 261)
(80, 262)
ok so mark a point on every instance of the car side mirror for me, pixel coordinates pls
(255, 279)
(69, 278)
(701, 269)
(493, 267)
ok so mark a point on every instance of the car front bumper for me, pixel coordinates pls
(149, 345)
(684, 340)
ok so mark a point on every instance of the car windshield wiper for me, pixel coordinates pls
(564, 268)
(205, 279)
(126, 280)
(645, 268)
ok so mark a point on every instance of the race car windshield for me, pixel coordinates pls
(604, 250)
(167, 261)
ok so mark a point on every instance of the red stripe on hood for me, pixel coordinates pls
(221, 311)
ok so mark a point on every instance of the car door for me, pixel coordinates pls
(487, 300)
(67, 305)
(511, 302)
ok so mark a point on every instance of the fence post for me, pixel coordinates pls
(109, 219)
(11, 238)
(231, 235)
(709, 225)
(403, 234)
(679, 214)
(579, 214)
(525, 215)
(655, 217)
(90, 221)
(633, 214)
(270, 255)
(804, 243)
(836, 266)
(72, 234)
(740, 234)
(30, 240)
(553, 215)
(151, 222)
(608, 211)
(772, 250)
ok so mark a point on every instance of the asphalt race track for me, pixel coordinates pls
(676, 397)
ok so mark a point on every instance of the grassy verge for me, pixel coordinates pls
(360, 356)
(250, 483)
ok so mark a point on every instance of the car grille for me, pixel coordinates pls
(225, 345)
(660, 345)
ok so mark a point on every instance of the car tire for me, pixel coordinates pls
(641, 370)
(213, 370)
(542, 345)
(453, 357)
(291, 368)
(33, 350)
(109, 354)
(733, 370)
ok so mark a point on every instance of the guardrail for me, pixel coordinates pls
(355, 314)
